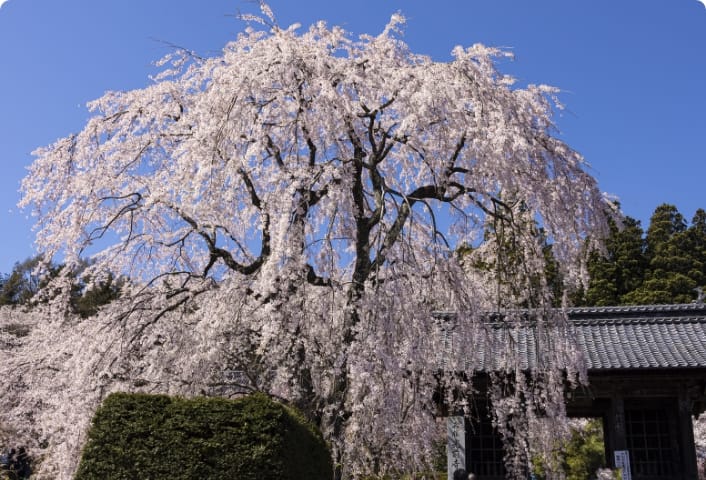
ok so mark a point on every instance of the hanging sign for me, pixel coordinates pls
(456, 446)
(622, 461)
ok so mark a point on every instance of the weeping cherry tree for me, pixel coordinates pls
(305, 193)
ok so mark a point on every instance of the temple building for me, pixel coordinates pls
(647, 382)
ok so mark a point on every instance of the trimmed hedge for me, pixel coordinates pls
(138, 436)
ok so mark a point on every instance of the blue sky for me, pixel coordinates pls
(633, 74)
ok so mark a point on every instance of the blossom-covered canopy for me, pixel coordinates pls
(304, 195)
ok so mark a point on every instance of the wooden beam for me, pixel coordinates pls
(686, 436)
(616, 427)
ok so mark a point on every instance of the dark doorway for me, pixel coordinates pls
(652, 440)
(484, 447)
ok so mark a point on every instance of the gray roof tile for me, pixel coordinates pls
(656, 336)
(635, 337)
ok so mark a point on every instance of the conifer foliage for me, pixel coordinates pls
(21, 286)
(666, 264)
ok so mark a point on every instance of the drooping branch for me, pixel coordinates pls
(218, 253)
(295, 180)
(133, 205)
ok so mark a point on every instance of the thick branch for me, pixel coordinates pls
(362, 240)
(217, 253)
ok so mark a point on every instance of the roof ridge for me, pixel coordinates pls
(673, 307)
(635, 320)
(676, 307)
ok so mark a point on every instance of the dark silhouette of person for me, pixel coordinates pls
(461, 474)
(11, 465)
(17, 464)
(23, 468)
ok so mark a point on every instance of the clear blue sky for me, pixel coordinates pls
(633, 74)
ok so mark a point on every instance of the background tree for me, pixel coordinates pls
(23, 282)
(696, 241)
(288, 192)
(89, 293)
(671, 274)
(620, 268)
(511, 242)
(585, 452)
(582, 455)
(666, 265)
(86, 295)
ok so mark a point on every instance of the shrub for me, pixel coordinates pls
(159, 437)
(585, 452)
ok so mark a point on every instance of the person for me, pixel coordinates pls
(461, 474)
(471, 476)
(11, 465)
(23, 468)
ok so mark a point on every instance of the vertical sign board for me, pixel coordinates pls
(456, 446)
(622, 461)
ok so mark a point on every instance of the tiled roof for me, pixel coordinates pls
(655, 336)
(634, 337)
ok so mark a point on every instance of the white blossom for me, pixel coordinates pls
(288, 213)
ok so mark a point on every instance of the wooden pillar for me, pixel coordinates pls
(686, 436)
(616, 428)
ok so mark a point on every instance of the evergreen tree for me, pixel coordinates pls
(508, 241)
(28, 277)
(618, 270)
(87, 297)
(553, 274)
(672, 273)
(697, 246)
(22, 283)
(666, 265)
(585, 452)
(665, 222)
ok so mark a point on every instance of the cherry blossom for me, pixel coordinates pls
(289, 214)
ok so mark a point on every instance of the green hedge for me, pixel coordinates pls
(137, 436)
